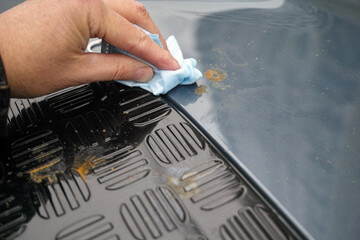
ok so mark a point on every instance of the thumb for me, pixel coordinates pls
(93, 67)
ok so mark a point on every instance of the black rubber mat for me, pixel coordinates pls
(103, 161)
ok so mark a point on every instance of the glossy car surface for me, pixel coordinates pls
(289, 106)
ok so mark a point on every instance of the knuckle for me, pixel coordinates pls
(141, 10)
(138, 41)
(96, 12)
(121, 73)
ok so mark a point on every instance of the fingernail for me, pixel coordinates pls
(143, 74)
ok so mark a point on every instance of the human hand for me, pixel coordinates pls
(42, 44)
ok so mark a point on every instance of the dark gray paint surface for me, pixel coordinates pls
(6, 4)
(289, 109)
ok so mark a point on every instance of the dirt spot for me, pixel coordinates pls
(200, 90)
(84, 161)
(183, 188)
(83, 164)
(216, 75)
(47, 171)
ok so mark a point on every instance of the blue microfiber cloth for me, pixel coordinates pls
(165, 80)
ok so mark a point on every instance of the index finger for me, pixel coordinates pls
(136, 13)
(118, 31)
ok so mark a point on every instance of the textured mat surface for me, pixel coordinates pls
(103, 161)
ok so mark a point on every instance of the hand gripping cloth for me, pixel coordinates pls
(165, 80)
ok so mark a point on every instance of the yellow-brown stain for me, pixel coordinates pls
(180, 186)
(47, 171)
(216, 75)
(86, 160)
(84, 165)
(200, 90)
(188, 184)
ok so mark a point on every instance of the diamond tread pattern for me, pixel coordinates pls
(104, 161)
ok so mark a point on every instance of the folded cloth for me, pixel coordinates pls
(165, 80)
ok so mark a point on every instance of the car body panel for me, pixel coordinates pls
(289, 107)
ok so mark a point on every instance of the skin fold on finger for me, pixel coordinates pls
(136, 13)
(135, 41)
(92, 67)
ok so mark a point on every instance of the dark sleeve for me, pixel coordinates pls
(4, 101)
